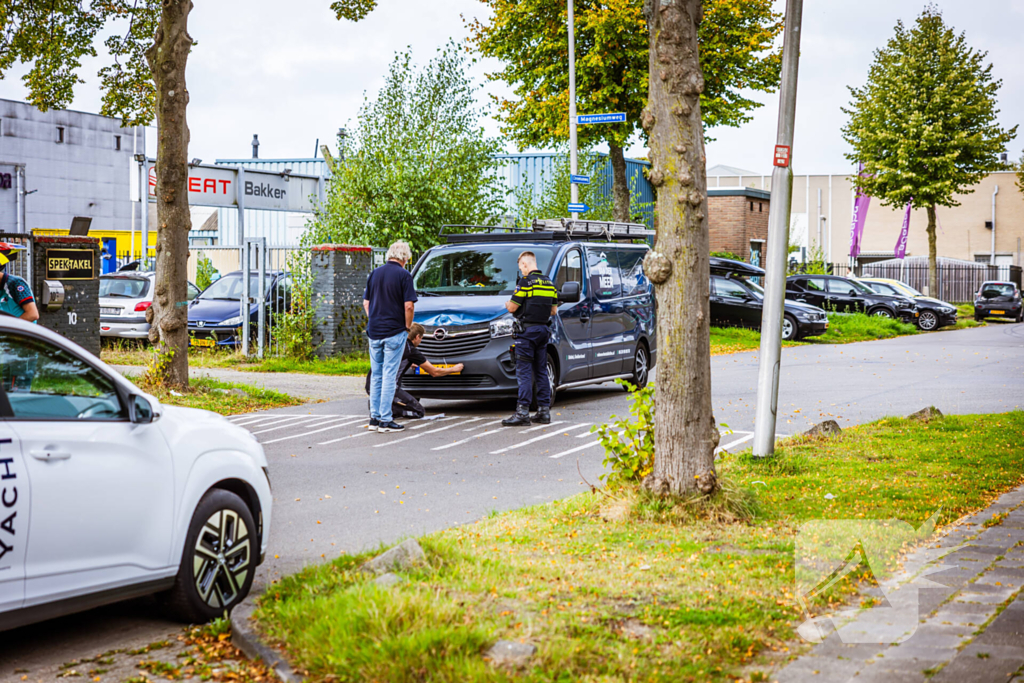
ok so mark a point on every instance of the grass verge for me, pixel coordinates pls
(135, 354)
(225, 398)
(621, 587)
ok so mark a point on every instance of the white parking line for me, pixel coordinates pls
(737, 442)
(485, 424)
(577, 449)
(343, 438)
(269, 419)
(315, 421)
(539, 438)
(467, 440)
(304, 433)
(439, 429)
(549, 424)
(434, 422)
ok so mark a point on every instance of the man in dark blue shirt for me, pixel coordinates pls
(389, 301)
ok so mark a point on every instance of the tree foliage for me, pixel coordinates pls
(53, 38)
(530, 38)
(418, 159)
(924, 125)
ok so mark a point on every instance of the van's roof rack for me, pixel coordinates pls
(549, 229)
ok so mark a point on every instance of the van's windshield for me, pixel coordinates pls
(477, 269)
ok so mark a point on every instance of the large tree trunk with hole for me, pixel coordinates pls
(685, 431)
(933, 269)
(169, 318)
(620, 183)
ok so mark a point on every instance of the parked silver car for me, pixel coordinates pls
(124, 298)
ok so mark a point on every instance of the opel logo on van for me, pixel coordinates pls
(440, 334)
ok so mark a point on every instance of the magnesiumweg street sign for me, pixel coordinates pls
(617, 117)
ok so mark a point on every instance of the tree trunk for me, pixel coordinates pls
(167, 57)
(933, 268)
(620, 183)
(685, 432)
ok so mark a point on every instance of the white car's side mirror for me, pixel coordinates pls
(140, 410)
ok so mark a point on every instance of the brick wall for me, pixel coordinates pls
(733, 221)
(339, 278)
(79, 318)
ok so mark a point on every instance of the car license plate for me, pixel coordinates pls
(998, 312)
(109, 311)
(201, 342)
(442, 366)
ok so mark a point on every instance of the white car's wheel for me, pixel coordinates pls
(219, 560)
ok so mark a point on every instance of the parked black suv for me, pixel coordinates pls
(843, 295)
(996, 299)
(737, 300)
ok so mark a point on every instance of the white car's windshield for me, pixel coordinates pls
(124, 287)
(477, 269)
(229, 287)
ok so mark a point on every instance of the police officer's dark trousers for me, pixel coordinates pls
(531, 364)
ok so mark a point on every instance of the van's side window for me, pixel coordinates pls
(602, 263)
(571, 270)
(631, 266)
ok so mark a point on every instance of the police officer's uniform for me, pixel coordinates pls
(535, 295)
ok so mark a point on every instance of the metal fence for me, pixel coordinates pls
(958, 281)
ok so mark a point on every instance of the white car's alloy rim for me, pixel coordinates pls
(222, 559)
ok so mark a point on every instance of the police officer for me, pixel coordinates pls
(15, 295)
(533, 303)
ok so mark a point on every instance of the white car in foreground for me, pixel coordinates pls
(105, 494)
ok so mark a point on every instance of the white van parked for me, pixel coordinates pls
(105, 494)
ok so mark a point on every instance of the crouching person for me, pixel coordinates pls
(404, 403)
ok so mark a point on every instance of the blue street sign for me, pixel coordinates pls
(578, 208)
(579, 179)
(619, 117)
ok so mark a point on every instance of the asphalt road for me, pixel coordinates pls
(339, 488)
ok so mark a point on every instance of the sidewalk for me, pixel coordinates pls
(315, 387)
(971, 626)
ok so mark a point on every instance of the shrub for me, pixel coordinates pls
(629, 443)
(204, 271)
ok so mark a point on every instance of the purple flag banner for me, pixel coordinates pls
(901, 243)
(860, 215)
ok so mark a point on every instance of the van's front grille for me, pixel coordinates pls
(455, 345)
(413, 382)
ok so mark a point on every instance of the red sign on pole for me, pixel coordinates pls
(782, 155)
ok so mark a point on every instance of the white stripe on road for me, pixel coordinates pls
(737, 442)
(549, 424)
(539, 438)
(485, 424)
(467, 440)
(314, 421)
(432, 431)
(299, 436)
(343, 438)
(577, 449)
(428, 423)
(270, 419)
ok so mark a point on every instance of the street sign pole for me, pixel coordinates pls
(574, 192)
(778, 241)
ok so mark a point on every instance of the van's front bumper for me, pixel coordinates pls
(488, 372)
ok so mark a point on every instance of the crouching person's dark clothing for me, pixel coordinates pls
(405, 404)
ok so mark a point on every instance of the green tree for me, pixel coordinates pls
(924, 125)
(418, 159)
(1020, 173)
(530, 37)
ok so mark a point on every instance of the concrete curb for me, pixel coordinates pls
(245, 638)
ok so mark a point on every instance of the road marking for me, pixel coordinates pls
(439, 429)
(312, 422)
(539, 438)
(577, 449)
(434, 422)
(584, 435)
(270, 419)
(485, 424)
(350, 436)
(549, 424)
(737, 442)
(297, 436)
(467, 440)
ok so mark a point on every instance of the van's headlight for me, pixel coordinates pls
(502, 327)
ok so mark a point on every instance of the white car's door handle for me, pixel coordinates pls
(50, 455)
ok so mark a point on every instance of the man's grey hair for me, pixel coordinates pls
(400, 251)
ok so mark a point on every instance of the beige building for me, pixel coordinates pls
(823, 206)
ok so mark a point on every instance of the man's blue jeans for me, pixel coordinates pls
(385, 357)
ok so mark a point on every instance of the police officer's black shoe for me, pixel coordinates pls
(543, 416)
(520, 419)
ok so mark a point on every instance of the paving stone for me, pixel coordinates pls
(977, 671)
(835, 647)
(938, 635)
(926, 656)
(877, 674)
(817, 669)
(993, 650)
(964, 619)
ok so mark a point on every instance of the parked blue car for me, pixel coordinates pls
(214, 318)
(605, 328)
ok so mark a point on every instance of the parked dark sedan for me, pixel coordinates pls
(843, 295)
(934, 313)
(214, 318)
(996, 299)
(737, 301)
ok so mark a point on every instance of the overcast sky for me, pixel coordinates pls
(292, 73)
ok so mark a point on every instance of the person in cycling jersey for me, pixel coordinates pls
(15, 294)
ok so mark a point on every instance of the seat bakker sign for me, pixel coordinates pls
(218, 186)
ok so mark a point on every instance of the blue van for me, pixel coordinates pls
(605, 328)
